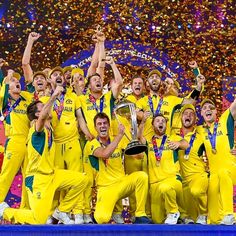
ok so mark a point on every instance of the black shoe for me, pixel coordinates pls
(142, 220)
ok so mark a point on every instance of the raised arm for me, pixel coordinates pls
(106, 152)
(40, 123)
(28, 72)
(95, 57)
(102, 54)
(116, 87)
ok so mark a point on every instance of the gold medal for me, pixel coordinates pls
(186, 157)
(2, 118)
(158, 163)
(213, 150)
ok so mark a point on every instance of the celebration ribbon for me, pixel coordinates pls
(158, 152)
(158, 107)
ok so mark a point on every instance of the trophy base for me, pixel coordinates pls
(135, 147)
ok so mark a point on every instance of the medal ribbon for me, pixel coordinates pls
(10, 108)
(158, 107)
(158, 152)
(59, 109)
(187, 151)
(93, 101)
(212, 137)
(49, 137)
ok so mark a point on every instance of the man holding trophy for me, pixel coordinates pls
(113, 185)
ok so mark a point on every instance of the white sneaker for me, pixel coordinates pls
(88, 219)
(201, 219)
(118, 218)
(228, 220)
(63, 217)
(3, 207)
(172, 218)
(187, 221)
(79, 219)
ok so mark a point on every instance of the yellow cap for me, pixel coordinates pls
(67, 68)
(155, 72)
(207, 100)
(177, 84)
(40, 73)
(77, 70)
(16, 75)
(57, 68)
(187, 106)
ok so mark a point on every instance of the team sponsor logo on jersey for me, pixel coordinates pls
(68, 101)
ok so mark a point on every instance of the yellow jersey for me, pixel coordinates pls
(90, 108)
(222, 159)
(192, 163)
(167, 108)
(110, 171)
(65, 127)
(40, 152)
(168, 166)
(16, 123)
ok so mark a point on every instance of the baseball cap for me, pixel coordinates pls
(207, 100)
(188, 106)
(155, 72)
(77, 70)
(40, 73)
(57, 68)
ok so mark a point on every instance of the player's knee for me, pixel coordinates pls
(165, 188)
(196, 192)
(142, 176)
(102, 217)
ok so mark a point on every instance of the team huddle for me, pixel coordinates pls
(63, 134)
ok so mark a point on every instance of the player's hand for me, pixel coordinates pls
(109, 60)
(58, 91)
(193, 64)
(146, 114)
(173, 145)
(33, 36)
(233, 151)
(89, 137)
(200, 79)
(121, 129)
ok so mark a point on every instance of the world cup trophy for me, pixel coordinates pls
(127, 110)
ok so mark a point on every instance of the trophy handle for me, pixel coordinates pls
(134, 130)
(117, 118)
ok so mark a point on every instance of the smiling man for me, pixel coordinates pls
(218, 137)
(106, 157)
(13, 104)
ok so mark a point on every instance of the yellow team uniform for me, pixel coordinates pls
(113, 185)
(89, 109)
(42, 181)
(222, 167)
(68, 151)
(195, 177)
(164, 179)
(16, 126)
(168, 107)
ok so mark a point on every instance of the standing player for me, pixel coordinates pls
(14, 103)
(193, 167)
(218, 137)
